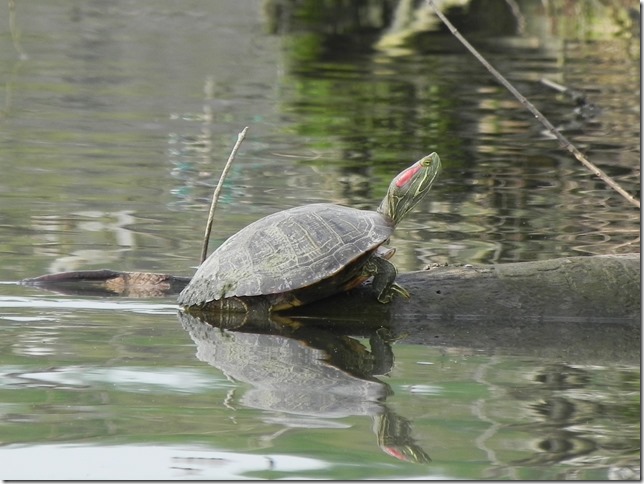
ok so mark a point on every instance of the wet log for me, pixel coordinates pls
(592, 289)
(597, 288)
(577, 309)
(585, 309)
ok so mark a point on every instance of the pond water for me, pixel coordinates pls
(116, 119)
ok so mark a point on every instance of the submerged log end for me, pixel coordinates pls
(111, 283)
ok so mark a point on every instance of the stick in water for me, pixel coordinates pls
(567, 145)
(217, 192)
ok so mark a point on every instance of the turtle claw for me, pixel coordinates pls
(387, 295)
(400, 290)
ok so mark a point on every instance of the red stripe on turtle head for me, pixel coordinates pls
(407, 175)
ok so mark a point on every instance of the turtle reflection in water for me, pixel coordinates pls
(307, 253)
(304, 375)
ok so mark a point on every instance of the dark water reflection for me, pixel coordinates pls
(308, 376)
(115, 121)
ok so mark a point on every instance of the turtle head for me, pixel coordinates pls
(409, 187)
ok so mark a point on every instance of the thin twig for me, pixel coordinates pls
(554, 85)
(563, 141)
(215, 195)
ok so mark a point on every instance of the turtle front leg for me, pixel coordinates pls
(384, 277)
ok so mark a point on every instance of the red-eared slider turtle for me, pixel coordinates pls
(310, 252)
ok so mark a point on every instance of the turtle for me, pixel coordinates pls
(307, 253)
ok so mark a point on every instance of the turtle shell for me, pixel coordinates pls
(286, 251)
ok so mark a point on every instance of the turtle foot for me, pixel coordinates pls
(386, 296)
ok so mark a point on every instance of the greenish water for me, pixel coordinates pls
(114, 125)
(89, 385)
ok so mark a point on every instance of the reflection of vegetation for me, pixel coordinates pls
(15, 32)
(372, 84)
(573, 411)
(594, 20)
(346, 100)
(328, 16)
(369, 115)
(373, 106)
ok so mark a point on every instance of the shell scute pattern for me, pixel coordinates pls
(288, 250)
